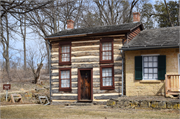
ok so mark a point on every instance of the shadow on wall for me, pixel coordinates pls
(161, 91)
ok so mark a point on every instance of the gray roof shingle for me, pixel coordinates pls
(93, 30)
(155, 37)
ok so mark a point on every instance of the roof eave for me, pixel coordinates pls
(146, 48)
(86, 34)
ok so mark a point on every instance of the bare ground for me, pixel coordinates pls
(84, 112)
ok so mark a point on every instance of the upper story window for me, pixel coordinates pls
(106, 50)
(65, 53)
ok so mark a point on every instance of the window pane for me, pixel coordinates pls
(106, 72)
(106, 46)
(150, 76)
(155, 76)
(145, 76)
(145, 64)
(63, 59)
(150, 59)
(65, 49)
(150, 64)
(145, 70)
(155, 70)
(154, 64)
(65, 83)
(154, 58)
(145, 58)
(107, 81)
(150, 70)
(103, 58)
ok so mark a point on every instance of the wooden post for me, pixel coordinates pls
(166, 85)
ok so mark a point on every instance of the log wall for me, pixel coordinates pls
(85, 54)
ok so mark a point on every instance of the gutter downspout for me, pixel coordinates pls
(122, 74)
(49, 67)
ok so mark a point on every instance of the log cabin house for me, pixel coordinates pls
(153, 63)
(86, 63)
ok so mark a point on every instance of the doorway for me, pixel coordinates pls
(85, 89)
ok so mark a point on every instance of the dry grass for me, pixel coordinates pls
(93, 112)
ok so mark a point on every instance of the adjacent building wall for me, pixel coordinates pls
(138, 87)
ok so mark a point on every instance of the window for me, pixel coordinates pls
(106, 50)
(65, 79)
(150, 67)
(107, 77)
(65, 53)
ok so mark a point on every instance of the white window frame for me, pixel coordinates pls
(148, 55)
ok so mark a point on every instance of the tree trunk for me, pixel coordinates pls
(7, 50)
(24, 42)
(38, 72)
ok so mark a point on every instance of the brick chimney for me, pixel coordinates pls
(70, 24)
(136, 17)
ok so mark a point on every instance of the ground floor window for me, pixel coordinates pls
(65, 79)
(152, 67)
(107, 77)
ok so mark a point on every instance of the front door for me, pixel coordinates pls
(84, 85)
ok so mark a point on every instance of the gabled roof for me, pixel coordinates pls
(154, 38)
(95, 30)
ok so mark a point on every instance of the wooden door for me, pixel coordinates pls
(85, 85)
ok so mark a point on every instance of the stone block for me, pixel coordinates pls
(178, 106)
(145, 103)
(111, 103)
(127, 103)
(134, 103)
(154, 104)
(169, 105)
(174, 105)
(120, 103)
(162, 105)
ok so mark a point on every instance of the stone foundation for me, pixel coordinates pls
(135, 104)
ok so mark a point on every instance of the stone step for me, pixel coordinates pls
(81, 104)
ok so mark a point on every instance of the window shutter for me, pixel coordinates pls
(161, 67)
(138, 67)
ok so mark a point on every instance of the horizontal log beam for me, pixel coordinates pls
(64, 97)
(56, 91)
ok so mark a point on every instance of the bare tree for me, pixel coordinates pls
(36, 57)
(15, 8)
(133, 3)
(5, 43)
